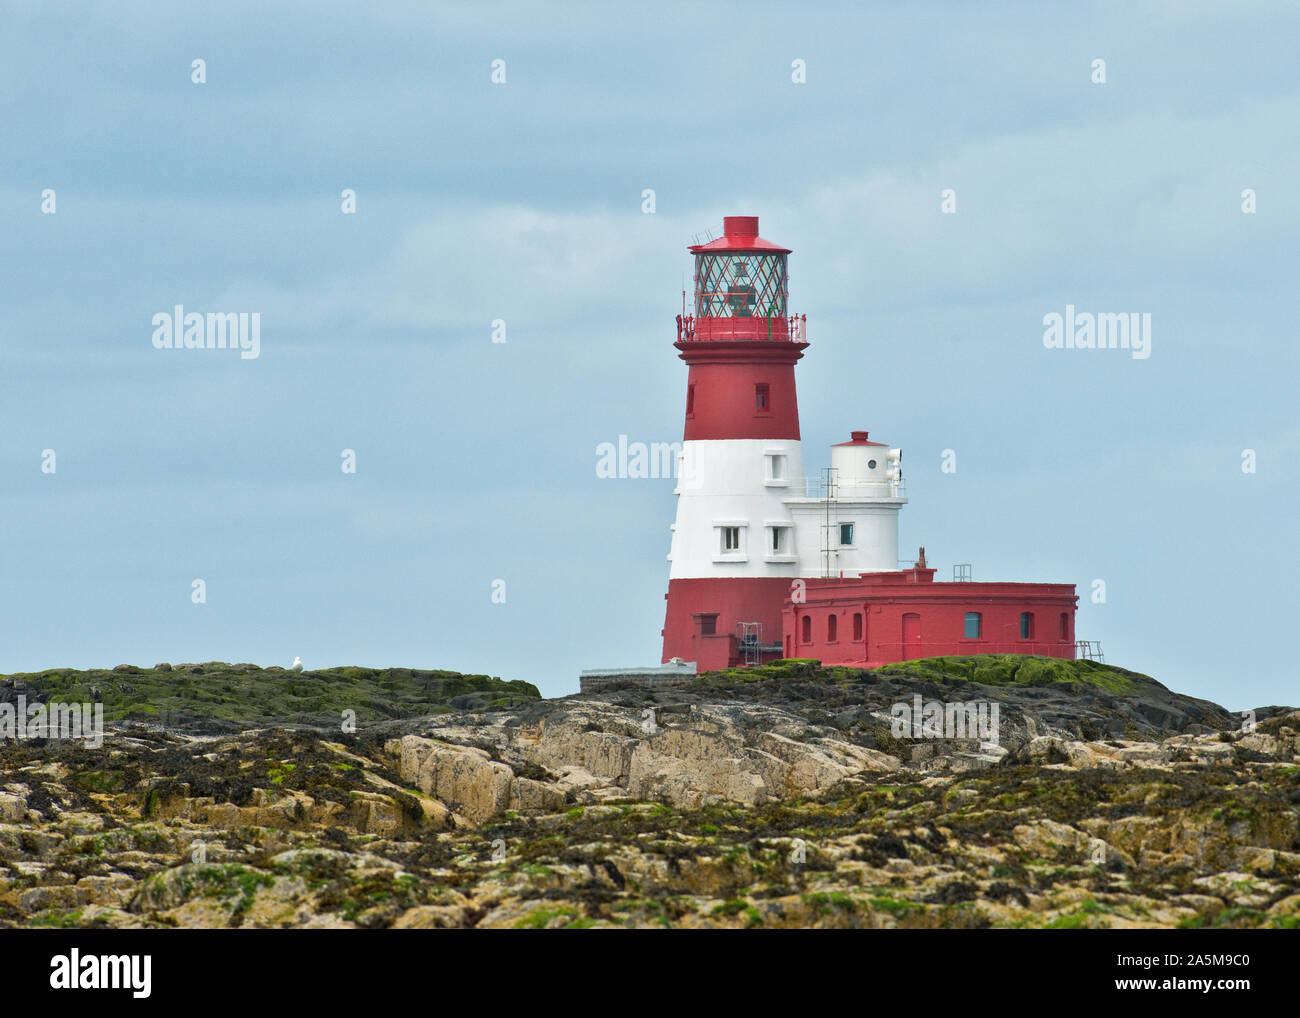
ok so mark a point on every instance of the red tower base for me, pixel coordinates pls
(701, 623)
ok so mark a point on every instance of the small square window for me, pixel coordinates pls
(708, 625)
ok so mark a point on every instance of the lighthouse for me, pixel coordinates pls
(767, 560)
(750, 521)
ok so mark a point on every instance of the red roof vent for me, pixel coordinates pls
(858, 436)
(740, 226)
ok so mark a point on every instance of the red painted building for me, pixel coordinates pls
(768, 562)
(878, 618)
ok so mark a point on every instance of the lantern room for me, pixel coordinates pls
(741, 286)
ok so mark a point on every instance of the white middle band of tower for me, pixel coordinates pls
(745, 508)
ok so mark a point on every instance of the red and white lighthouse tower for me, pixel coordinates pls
(732, 548)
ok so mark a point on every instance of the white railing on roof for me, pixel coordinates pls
(815, 487)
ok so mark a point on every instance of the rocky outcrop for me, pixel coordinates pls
(787, 804)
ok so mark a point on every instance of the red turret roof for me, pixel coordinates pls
(860, 438)
(739, 233)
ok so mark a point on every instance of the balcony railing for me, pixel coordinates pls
(845, 491)
(777, 328)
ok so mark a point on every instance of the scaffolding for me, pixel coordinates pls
(752, 647)
(961, 573)
(1089, 650)
(830, 524)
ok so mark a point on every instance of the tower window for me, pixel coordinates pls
(762, 394)
(1065, 625)
(832, 628)
(731, 539)
(972, 630)
(780, 540)
(1026, 625)
(846, 534)
(690, 401)
(775, 466)
(708, 625)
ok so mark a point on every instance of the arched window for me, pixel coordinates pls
(1026, 625)
(832, 627)
(972, 628)
(807, 629)
(857, 625)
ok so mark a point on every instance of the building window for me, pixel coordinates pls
(775, 467)
(832, 628)
(1026, 625)
(846, 535)
(690, 401)
(807, 629)
(857, 626)
(871, 464)
(731, 539)
(708, 625)
(972, 631)
(1065, 625)
(761, 398)
(780, 541)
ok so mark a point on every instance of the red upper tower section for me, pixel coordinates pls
(741, 343)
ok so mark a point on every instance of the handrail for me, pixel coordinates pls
(795, 328)
(846, 491)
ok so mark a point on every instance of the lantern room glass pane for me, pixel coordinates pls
(740, 285)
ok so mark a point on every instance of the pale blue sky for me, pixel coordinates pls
(523, 201)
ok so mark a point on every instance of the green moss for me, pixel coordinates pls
(987, 669)
(60, 920)
(247, 694)
(541, 918)
(895, 907)
(732, 907)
